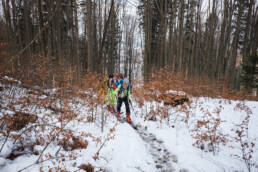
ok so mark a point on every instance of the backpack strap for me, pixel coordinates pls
(123, 89)
(120, 90)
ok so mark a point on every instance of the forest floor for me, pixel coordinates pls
(67, 134)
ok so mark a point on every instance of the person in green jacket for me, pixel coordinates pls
(123, 94)
(111, 95)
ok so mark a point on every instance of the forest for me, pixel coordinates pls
(215, 40)
(185, 70)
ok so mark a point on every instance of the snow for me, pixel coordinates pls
(121, 148)
(11, 79)
(128, 152)
(179, 141)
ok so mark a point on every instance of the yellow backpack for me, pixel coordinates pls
(103, 89)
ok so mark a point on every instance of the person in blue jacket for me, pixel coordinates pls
(123, 94)
(119, 79)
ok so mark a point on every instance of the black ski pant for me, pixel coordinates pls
(119, 104)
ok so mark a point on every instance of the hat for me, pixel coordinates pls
(111, 75)
(120, 75)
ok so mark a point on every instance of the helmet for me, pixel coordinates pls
(126, 81)
(111, 75)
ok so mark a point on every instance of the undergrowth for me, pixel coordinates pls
(38, 110)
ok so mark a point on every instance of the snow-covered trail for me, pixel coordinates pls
(163, 159)
(127, 152)
(138, 150)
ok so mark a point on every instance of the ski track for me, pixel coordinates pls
(163, 159)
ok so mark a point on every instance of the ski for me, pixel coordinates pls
(133, 125)
(123, 120)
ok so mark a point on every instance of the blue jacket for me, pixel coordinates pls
(119, 82)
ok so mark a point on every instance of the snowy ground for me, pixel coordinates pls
(162, 145)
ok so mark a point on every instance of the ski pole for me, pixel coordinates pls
(132, 108)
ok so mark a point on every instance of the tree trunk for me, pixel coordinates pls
(90, 35)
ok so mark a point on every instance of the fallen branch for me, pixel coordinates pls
(6, 138)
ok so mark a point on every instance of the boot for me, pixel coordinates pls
(118, 116)
(128, 119)
(113, 109)
(109, 108)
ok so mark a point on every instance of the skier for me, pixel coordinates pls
(123, 94)
(111, 96)
(119, 79)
